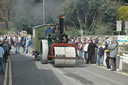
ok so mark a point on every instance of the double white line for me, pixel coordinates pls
(8, 73)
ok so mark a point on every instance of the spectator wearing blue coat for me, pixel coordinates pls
(27, 45)
(1, 57)
(101, 50)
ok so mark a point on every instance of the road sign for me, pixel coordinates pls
(123, 40)
(118, 25)
(81, 32)
(126, 27)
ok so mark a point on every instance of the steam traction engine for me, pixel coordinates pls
(57, 49)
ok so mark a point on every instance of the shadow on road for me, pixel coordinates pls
(81, 79)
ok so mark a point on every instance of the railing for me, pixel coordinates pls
(125, 58)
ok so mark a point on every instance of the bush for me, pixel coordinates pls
(103, 29)
(2, 32)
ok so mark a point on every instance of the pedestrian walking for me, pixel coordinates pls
(96, 40)
(27, 46)
(107, 58)
(23, 42)
(1, 58)
(6, 50)
(101, 50)
(76, 42)
(12, 42)
(113, 54)
(10, 46)
(17, 45)
(91, 51)
(80, 49)
(85, 49)
(108, 40)
(30, 40)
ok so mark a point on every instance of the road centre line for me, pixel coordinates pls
(8, 69)
(10, 72)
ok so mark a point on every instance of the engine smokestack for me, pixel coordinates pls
(61, 24)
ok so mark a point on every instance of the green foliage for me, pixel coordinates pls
(72, 32)
(123, 16)
(86, 14)
(123, 13)
(102, 28)
(2, 32)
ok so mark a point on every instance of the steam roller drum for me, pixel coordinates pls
(59, 56)
(65, 56)
(70, 56)
(44, 51)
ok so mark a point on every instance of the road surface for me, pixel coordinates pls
(1, 79)
(25, 71)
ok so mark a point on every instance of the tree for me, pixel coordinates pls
(5, 10)
(87, 14)
(123, 13)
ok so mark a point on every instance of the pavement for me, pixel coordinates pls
(26, 71)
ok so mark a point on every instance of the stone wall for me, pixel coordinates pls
(101, 37)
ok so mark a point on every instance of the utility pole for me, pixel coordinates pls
(43, 11)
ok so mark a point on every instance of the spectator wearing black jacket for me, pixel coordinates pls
(91, 51)
(6, 50)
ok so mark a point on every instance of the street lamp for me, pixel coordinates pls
(43, 11)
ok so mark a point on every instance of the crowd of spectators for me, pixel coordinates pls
(7, 42)
(93, 52)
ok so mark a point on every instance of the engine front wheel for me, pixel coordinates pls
(44, 51)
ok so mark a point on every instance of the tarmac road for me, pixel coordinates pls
(25, 71)
(1, 79)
